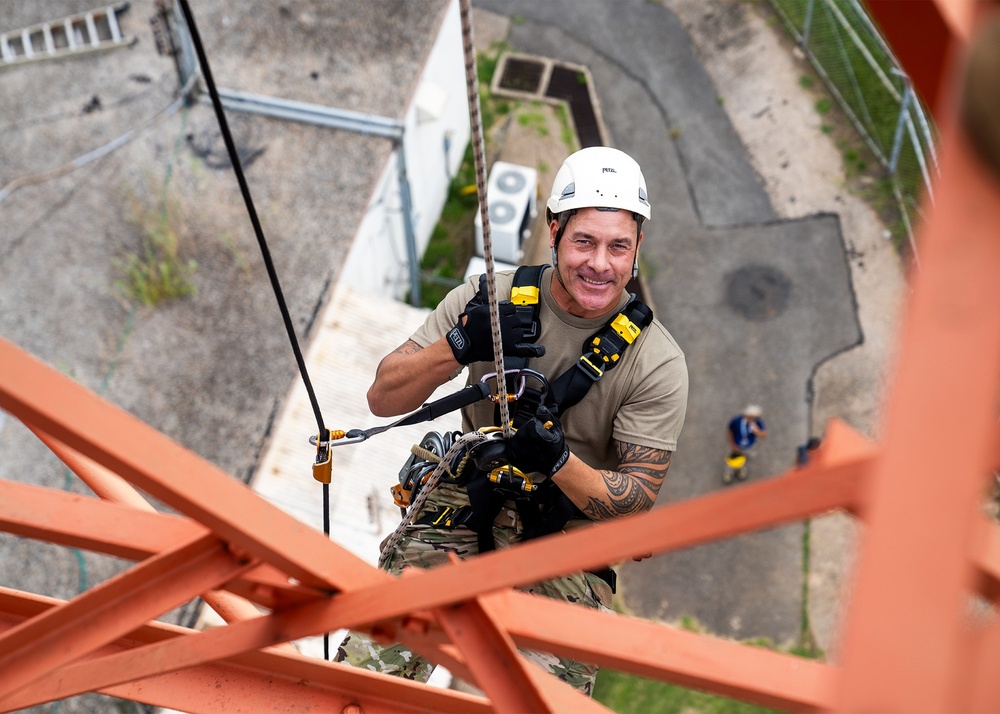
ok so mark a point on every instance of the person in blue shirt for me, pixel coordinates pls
(744, 430)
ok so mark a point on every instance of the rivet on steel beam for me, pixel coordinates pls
(980, 102)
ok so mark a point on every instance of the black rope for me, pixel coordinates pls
(324, 434)
(245, 190)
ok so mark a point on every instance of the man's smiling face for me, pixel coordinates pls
(595, 258)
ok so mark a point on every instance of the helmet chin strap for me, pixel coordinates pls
(555, 267)
(638, 236)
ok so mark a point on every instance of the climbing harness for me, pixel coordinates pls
(484, 471)
(454, 453)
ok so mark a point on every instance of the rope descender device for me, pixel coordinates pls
(490, 456)
(323, 465)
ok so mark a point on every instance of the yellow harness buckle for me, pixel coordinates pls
(626, 328)
(524, 295)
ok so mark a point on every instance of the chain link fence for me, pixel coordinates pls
(864, 77)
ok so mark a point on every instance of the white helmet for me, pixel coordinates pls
(599, 177)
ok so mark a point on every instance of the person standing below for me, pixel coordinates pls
(744, 430)
(603, 456)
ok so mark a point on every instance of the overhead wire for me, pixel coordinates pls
(97, 153)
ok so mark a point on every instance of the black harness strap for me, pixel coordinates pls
(602, 352)
(524, 294)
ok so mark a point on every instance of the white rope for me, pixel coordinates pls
(478, 151)
(467, 440)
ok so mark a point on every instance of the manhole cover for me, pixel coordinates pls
(521, 75)
(758, 292)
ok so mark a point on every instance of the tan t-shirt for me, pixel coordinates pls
(640, 401)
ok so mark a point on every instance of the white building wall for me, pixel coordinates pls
(378, 261)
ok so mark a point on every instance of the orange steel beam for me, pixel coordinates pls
(291, 678)
(98, 526)
(114, 489)
(981, 685)
(105, 483)
(67, 411)
(838, 498)
(111, 487)
(923, 554)
(506, 677)
(112, 609)
(926, 38)
(914, 572)
(78, 521)
(579, 625)
(658, 651)
(799, 494)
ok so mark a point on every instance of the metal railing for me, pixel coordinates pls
(863, 75)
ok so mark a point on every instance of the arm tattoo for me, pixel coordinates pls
(407, 348)
(633, 487)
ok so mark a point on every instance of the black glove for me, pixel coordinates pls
(537, 449)
(473, 341)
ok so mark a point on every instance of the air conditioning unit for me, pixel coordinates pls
(512, 198)
(477, 266)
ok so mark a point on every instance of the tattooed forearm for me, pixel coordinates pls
(407, 348)
(633, 487)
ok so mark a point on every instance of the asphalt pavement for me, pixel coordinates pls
(756, 303)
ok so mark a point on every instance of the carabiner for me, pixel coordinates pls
(510, 396)
(543, 383)
(337, 438)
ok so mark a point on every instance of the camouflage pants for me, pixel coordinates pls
(427, 547)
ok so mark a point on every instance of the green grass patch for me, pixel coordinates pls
(534, 120)
(567, 133)
(157, 271)
(627, 694)
(849, 68)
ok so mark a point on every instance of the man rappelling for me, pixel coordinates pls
(591, 436)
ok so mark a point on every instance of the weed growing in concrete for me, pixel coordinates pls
(156, 272)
